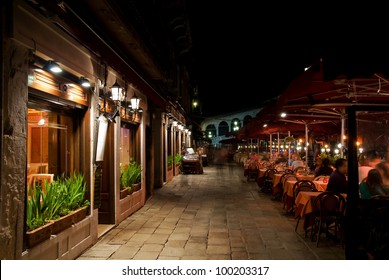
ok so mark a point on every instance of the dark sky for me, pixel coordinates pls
(247, 52)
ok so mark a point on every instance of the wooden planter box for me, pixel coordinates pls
(177, 169)
(169, 174)
(136, 187)
(79, 214)
(38, 235)
(124, 192)
(62, 223)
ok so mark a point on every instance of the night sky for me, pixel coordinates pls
(246, 53)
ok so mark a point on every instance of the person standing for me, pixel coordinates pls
(338, 180)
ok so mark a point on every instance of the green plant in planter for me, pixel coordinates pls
(130, 175)
(179, 158)
(53, 201)
(169, 161)
(35, 213)
(76, 188)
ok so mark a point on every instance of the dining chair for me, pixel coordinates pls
(328, 211)
(267, 186)
(302, 186)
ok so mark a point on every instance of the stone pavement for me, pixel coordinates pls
(215, 215)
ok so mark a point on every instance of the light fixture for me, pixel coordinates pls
(84, 82)
(265, 125)
(186, 130)
(336, 151)
(283, 115)
(116, 92)
(41, 122)
(180, 127)
(175, 123)
(53, 67)
(135, 102)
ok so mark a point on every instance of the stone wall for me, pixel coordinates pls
(13, 137)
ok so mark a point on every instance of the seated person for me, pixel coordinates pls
(372, 185)
(297, 163)
(318, 164)
(363, 170)
(383, 168)
(338, 180)
(325, 169)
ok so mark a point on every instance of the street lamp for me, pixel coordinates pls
(117, 92)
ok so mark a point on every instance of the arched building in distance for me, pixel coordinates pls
(218, 127)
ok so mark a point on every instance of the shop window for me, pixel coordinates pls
(51, 144)
(129, 143)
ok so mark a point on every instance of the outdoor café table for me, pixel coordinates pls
(276, 178)
(304, 206)
(288, 190)
(320, 185)
(262, 171)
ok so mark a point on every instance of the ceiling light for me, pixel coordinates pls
(283, 115)
(84, 82)
(53, 67)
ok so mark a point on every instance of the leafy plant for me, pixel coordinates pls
(59, 198)
(130, 174)
(53, 201)
(76, 188)
(35, 213)
(179, 158)
(169, 160)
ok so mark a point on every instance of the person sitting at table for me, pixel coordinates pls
(338, 181)
(297, 163)
(383, 168)
(325, 168)
(372, 185)
(363, 169)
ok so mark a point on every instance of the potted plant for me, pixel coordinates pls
(76, 201)
(131, 177)
(178, 159)
(66, 203)
(124, 189)
(38, 227)
(136, 175)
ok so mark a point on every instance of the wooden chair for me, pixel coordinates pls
(267, 186)
(328, 211)
(302, 186)
(286, 178)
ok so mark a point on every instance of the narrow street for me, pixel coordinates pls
(216, 215)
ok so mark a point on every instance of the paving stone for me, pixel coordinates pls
(218, 249)
(157, 238)
(173, 252)
(152, 247)
(211, 216)
(141, 255)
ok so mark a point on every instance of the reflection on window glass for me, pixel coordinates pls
(48, 143)
(128, 151)
(372, 142)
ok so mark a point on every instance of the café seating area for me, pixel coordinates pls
(318, 213)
